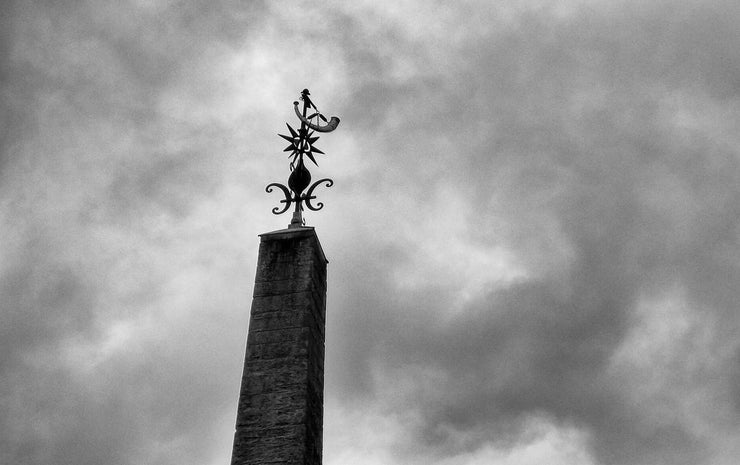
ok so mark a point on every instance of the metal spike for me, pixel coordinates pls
(292, 131)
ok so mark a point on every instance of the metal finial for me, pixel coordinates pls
(301, 143)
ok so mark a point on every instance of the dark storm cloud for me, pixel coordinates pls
(571, 129)
(89, 162)
(542, 223)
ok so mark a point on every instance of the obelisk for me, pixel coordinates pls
(280, 413)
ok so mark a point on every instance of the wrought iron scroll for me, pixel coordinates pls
(302, 145)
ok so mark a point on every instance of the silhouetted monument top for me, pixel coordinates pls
(302, 144)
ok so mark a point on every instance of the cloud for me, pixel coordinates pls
(104, 196)
(532, 236)
(568, 134)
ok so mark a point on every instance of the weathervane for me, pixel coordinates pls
(301, 143)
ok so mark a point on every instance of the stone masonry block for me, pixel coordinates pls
(280, 412)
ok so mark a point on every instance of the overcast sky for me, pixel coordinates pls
(534, 235)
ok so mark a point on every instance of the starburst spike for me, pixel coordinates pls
(317, 150)
(292, 131)
(289, 148)
(310, 155)
(311, 140)
(288, 138)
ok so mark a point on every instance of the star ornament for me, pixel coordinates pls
(301, 143)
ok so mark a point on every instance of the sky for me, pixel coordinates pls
(533, 236)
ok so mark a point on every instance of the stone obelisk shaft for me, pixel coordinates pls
(280, 413)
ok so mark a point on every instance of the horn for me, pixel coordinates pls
(328, 127)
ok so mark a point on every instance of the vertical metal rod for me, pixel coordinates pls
(297, 220)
